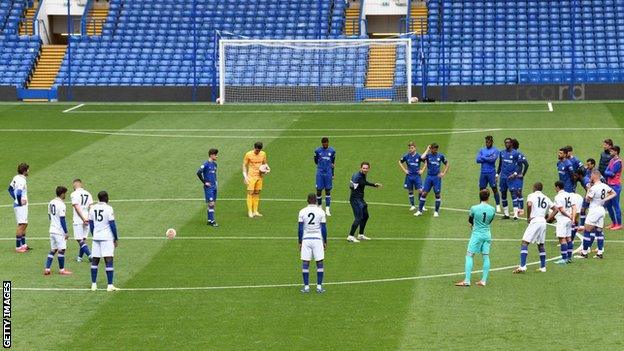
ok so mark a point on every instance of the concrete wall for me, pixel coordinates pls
(59, 8)
(8, 93)
(383, 7)
(134, 94)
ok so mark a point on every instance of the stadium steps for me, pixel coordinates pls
(352, 22)
(96, 20)
(26, 25)
(47, 67)
(418, 14)
(381, 66)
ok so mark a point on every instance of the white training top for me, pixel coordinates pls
(563, 201)
(83, 199)
(19, 183)
(56, 210)
(101, 214)
(597, 193)
(540, 204)
(577, 200)
(312, 216)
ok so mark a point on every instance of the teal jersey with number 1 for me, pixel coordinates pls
(482, 216)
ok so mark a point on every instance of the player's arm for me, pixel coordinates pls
(19, 188)
(471, 219)
(11, 192)
(245, 163)
(446, 168)
(200, 174)
(525, 166)
(555, 210)
(300, 232)
(479, 157)
(79, 212)
(315, 157)
(610, 195)
(611, 172)
(424, 155)
(403, 167)
(63, 223)
(528, 211)
(376, 185)
(423, 169)
(500, 164)
(573, 215)
(324, 231)
(113, 227)
(333, 163)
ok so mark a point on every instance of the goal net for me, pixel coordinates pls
(341, 70)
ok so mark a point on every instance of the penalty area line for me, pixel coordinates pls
(73, 108)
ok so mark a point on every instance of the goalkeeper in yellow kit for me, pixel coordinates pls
(253, 178)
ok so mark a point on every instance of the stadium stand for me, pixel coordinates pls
(522, 42)
(152, 43)
(17, 53)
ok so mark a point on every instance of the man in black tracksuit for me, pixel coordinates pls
(359, 206)
(605, 156)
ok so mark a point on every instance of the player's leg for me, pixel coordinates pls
(600, 241)
(329, 185)
(319, 188)
(423, 196)
(61, 262)
(524, 253)
(250, 202)
(615, 203)
(318, 252)
(50, 258)
(482, 181)
(409, 185)
(542, 255)
(520, 197)
(358, 214)
(587, 240)
(492, 183)
(256, 197)
(305, 272)
(503, 189)
(486, 270)
(515, 202)
(468, 264)
(609, 207)
(320, 271)
(363, 222)
(95, 261)
(437, 189)
(110, 272)
(570, 250)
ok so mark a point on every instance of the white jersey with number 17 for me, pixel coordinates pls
(83, 199)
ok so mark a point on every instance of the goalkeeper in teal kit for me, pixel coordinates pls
(481, 216)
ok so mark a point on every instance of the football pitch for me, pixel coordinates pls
(236, 287)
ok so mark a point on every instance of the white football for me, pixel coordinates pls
(413, 99)
(264, 168)
(170, 233)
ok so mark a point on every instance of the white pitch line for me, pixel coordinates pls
(281, 130)
(550, 107)
(281, 136)
(289, 285)
(252, 112)
(73, 108)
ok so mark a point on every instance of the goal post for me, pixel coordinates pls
(314, 71)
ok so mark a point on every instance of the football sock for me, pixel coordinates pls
(84, 248)
(94, 269)
(319, 273)
(497, 198)
(49, 260)
(319, 200)
(80, 248)
(61, 260)
(542, 253)
(249, 203)
(524, 252)
(18, 241)
(411, 198)
(437, 204)
(109, 272)
(327, 200)
(591, 239)
(600, 241)
(256, 202)
(421, 203)
(564, 251)
(570, 249)
(515, 211)
(305, 270)
(505, 204)
(468, 268)
(486, 268)
(211, 213)
(353, 228)
(24, 239)
(521, 203)
(514, 204)
(586, 241)
(573, 234)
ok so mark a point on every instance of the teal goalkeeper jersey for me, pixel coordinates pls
(482, 216)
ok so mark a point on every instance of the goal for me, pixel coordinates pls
(314, 71)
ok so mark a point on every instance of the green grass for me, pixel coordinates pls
(151, 151)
